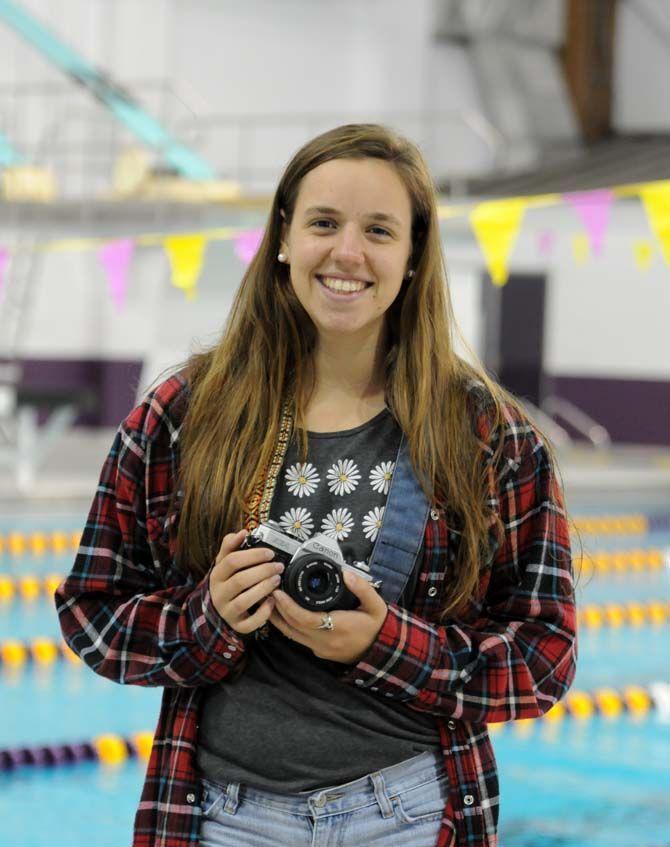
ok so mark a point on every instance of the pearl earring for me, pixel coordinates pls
(410, 274)
(281, 257)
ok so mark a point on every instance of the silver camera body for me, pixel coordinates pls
(313, 569)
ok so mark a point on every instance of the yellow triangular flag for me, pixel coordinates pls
(580, 248)
(644, 252)
(496, 224)
(656, 199)
(185, 253)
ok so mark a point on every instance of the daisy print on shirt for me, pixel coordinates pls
(343, 476)
(380, 477)
(372, 522)
(338, 524)
(298, 522)
(302, 478)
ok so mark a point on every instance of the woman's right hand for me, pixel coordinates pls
(242, 578)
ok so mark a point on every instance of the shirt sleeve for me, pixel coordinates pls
(115, 610)
(518, 657)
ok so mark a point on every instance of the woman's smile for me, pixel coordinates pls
(342, 290)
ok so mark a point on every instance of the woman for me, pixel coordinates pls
(333, 403)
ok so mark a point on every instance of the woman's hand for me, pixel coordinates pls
(236, 585)
(353, 631)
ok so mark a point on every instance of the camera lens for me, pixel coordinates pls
(318, 582)
(314, 583)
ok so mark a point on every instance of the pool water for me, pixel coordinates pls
(592, 783)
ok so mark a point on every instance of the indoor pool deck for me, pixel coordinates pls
(602, 780)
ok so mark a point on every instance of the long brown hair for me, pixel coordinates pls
(264, 357)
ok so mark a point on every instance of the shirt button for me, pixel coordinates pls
(451, 724)
(190, 798)
(468, 799)
(359, 682)
(434, 514)
(226, 656)
(432, 591)
(374, 688)
(232, 648)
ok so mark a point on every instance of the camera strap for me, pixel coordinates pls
(403, 525)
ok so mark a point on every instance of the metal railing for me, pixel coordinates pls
(56, 125)
(594, 432)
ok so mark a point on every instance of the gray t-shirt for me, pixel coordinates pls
(286, 723)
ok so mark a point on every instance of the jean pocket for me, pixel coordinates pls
(422, 803)
(213, 798)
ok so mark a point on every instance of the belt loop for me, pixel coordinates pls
(232, 792)
(385, 804)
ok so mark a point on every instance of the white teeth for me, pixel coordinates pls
(342, 284)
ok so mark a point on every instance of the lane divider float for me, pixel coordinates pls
(635, 700)
(107, 749)
(39, 543)
(28, 588)
(39, 651)
(114, 750)
(616, 615)
(622, 561)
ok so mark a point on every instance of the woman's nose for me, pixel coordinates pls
(349, 244)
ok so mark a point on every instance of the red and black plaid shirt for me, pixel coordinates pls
(135, 619)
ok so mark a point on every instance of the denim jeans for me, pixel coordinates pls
(399, 805)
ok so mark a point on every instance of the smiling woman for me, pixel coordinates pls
(335, 411)
(347, 269)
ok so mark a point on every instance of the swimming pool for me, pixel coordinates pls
(593, 781)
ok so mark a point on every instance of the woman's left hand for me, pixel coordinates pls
(353, 631)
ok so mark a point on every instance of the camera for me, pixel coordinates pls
(313, 570)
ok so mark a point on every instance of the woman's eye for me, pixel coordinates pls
(381, 230)
(316, 223)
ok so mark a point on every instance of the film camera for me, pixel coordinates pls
(313, 569)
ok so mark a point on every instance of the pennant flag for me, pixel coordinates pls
(4, 261)
(593, 207)
(545, 242)
(115, 258)
(496, 225)
(644, 253)
(186, 253)
(247, 244)
(580, 248)
(656, 199)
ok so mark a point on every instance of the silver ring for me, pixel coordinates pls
(327, 622)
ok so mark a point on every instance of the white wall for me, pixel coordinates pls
(293, 61)
(642, 58)
(603, 318)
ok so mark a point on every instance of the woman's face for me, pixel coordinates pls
(349, 244)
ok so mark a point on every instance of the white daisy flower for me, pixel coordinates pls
(338, 524)
(372, 522)
(302, 478)
(380, 477)
(343, 477)
(297, 521)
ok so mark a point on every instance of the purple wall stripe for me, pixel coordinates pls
(112, 383)
(633, 411)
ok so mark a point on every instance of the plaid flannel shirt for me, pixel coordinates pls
(134, 618)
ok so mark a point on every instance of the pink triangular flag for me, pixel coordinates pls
(593, 208)
(545, 242)
(115, 258)
(4, 261)
(247, 244)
